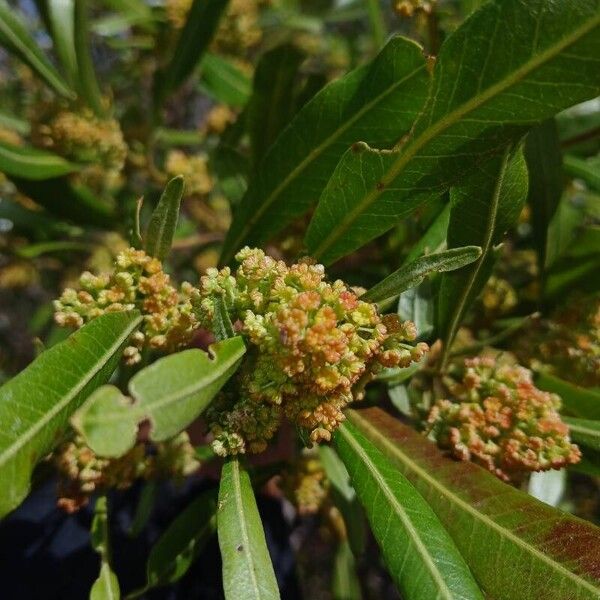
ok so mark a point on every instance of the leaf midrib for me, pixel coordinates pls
(310, 157)
(450, 119)
(452, 497)
(194, 388)
(413, 534)
(30, 433)
(459, 308)
(239, 504)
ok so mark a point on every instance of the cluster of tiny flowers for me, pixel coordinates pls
(498, 297)
(138, 281)
(314, 346)
(177, 11)
(500, 420)
(569, 343)
(239, 29)
(194, 168)
(305, 485)
(82, 473)
(83, 137)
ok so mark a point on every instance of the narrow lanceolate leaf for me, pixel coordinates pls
(106, 587)
(31, 163)
(174, 390)
(413, 274)
(377, 103)
(87, 82)
(345, 584)
(420, 555)
(180, 544)
(584, 432)
(35, 406)
(202, 21)
(482, 209)
(434, 238)
(516, 547)
(271, 106)
(544, 163)
(16, 39)
(224, 81)
(492, 81)
(588, 170)
(247, 570)
(576, 401)
(161, 229)
(107, 421)
(61, 18)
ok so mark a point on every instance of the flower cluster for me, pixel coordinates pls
(569, 343)
(239, 29)
(138, 281)
(82, 473)
(314, 346)
(500, 420)
(194, 168)
(177, 11)
(306, 485)
(83, 137)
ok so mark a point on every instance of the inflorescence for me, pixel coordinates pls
(314, 346)
(497, 418)
(138, 281)
(82, 473)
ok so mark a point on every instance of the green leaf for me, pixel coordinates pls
(271, 105)
(483, 208)
(345, 585)
(492, 81)
(588, 170)
(417, 305)
(420, 555)
(163, 222)
(136, 11)
(106, 587)
(223, 81)
(31, 163)
(175, 390)
(434, 238)
(16, 39)
(544, 164)
(67, 200)
(143, 509)
(414, 273)
(89, 88)
(516, 547)
(179, 545)
(35, 406)
(576, 401)
(108, 422)
(203, 19)
(247, 570)
(584, 432)
(378, 102)
(61, 18)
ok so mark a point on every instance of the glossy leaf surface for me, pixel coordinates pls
(174, 390)
(377, 103)
(492, 81)
(163, 222)
(513, 543)
(414, 273)
(420, 555)
(107, 421)
(35, 405)
(247, 570)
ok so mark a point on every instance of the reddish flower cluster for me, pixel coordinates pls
(315, 347)
(137, 282)
(500, 420)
